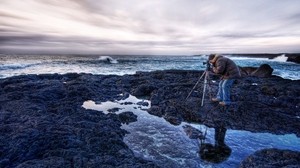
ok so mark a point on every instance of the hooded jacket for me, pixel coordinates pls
(225, 67)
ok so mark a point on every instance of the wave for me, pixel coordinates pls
(15, 66)
(108, 59)
(248, 58)
(240, 57)
(281, 58)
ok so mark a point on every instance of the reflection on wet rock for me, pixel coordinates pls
(214, 154)
(192, 132)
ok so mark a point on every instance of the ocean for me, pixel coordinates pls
(13, 65)
(152, 137)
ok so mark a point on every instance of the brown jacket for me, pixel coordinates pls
(225, 67)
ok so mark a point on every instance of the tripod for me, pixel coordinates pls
(206, 78)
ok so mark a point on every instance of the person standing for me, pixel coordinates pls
(229, 71)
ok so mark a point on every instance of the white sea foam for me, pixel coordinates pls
(281, 58)
(248, 58)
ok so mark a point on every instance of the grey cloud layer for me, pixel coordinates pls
(131, 26)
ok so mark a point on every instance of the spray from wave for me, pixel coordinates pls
(281, 58)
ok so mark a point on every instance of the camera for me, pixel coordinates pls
(208, 65)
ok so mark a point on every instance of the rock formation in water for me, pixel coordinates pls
(43, 123)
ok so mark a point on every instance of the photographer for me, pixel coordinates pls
(229, 71)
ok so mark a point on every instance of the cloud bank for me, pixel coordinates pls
(149, 26)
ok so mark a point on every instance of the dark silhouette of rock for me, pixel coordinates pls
(263, 71)
(272, 158)
(294, 58)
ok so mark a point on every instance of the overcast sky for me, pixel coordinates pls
(149, 26)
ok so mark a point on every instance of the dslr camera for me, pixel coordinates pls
(208, 65)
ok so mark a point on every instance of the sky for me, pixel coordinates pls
(166, 27)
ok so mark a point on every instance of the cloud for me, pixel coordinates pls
(154, 26)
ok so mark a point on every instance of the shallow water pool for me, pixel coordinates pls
(153, 138)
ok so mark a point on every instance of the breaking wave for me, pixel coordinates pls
(108, 59)
(281, 58)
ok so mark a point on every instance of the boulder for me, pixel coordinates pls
(264, 70)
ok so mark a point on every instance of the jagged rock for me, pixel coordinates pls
(41, 116)
(127, 117)
(113, 110)
(42, 123)
(155, 110)
(272, 158)
(141, 103)
(293, 58)
(143, 90)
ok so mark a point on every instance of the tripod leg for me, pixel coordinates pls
(195, 85)
(204, 88)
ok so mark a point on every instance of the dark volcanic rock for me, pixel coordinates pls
(272, 158)
(263, 71)
(260, 104)
(42, 121)
(143, 90)
(127, 117)
(293, 58)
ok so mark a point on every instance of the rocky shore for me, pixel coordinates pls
(43, 123)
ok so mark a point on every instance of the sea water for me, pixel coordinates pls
(153, 138)
(12, 65)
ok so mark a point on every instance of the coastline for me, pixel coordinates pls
(45, 114)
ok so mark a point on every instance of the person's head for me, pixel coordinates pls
(212, 58)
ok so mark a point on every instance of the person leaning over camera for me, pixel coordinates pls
(229, 71)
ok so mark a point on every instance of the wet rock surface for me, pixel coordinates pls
(43, 124)
(272, 158)
(42, 120)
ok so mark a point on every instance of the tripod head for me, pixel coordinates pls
(208, 65)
